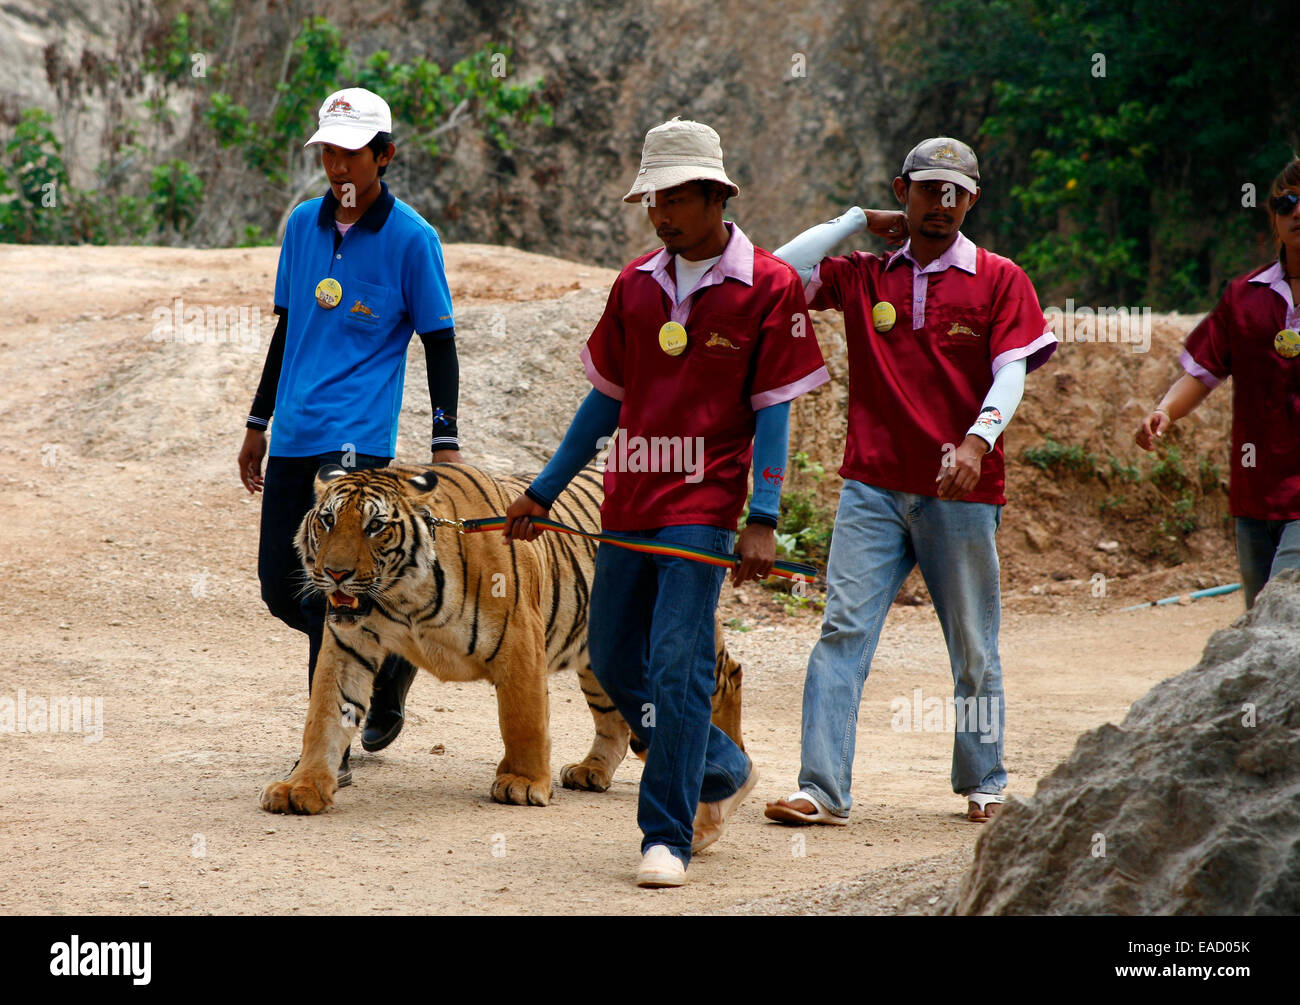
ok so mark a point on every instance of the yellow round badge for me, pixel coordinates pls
(672, 338)
(883, 316)
(1287, 343)
(328, 293)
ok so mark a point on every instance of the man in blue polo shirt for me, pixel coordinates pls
(359, 271)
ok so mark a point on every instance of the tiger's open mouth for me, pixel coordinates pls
(344, 609)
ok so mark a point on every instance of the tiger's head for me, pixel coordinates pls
(366, 532)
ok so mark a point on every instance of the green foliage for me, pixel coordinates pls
(228, 120)
(168, 55)
(318, 61)
(1128, 474)
(804, 465)
(794, 603)
(175, 192)
(738, 625)
(1060, 457)
(140, 195)
(1211, 475)
(254, 238)
(35, 200)
(420, 94)
(1180, 520)
(1172, 500)
(1115, 136)
(1168, 473)
(425, 100)
(808, 523)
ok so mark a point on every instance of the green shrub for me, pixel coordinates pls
(1211, 475)
(35, 200)
(175, 193)
(1180, 519)
(1129, 474)
(1060, 457)
(1168, 473)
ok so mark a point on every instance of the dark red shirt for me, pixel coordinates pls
(1236, 340)
(687, 421)
(915, 389)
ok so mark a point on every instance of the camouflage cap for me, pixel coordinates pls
(943, 159)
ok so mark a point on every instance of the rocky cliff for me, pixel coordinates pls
(808, 103)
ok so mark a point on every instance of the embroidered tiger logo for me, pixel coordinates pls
(463, 606)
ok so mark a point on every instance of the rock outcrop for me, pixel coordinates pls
(1190, 806)
(810, 105)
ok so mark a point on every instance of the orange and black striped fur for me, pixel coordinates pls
(464, 607)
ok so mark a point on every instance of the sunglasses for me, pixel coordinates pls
(1284, 204)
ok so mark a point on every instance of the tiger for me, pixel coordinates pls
(464, 607)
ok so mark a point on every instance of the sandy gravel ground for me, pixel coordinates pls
(128, 576)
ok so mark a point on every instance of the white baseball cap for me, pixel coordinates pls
(350, 118)
(678, 151)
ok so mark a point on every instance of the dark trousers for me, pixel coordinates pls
(288, 492)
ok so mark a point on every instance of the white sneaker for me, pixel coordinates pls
(660, 867)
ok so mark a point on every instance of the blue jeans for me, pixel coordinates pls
(651, 638)
(1265, 548)
(879, 536)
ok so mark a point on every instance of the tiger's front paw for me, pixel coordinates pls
(517, 790)
(305, 791)
(588, 775)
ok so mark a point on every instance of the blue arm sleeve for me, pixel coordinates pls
(597, 417)
(771, 443)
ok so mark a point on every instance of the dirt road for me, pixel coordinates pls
(128, 579)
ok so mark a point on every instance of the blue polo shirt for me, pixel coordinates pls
(344, 367)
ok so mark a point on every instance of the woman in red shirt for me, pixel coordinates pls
(1253, 334)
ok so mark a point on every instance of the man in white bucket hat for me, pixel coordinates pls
(703, 344)
(359, 271)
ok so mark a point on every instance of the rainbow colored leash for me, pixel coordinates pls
(796, 571)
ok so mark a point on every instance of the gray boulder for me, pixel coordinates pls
(1190, 806)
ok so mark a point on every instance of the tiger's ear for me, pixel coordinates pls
(426, 481)
(327, 474)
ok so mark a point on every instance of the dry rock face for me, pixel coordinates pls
(808, 104)
(1190, 806)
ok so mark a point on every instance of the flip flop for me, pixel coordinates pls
(977, 807)
(783, 813)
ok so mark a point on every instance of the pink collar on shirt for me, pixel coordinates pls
(961, 253)
(1275, 279)
(737, 262)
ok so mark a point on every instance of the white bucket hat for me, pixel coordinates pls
(350, 118)
(676, 152)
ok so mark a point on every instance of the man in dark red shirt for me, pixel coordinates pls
(1253, 336)
(702, 346)
(940, 335)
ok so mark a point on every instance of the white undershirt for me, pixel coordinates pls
(689, 274)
